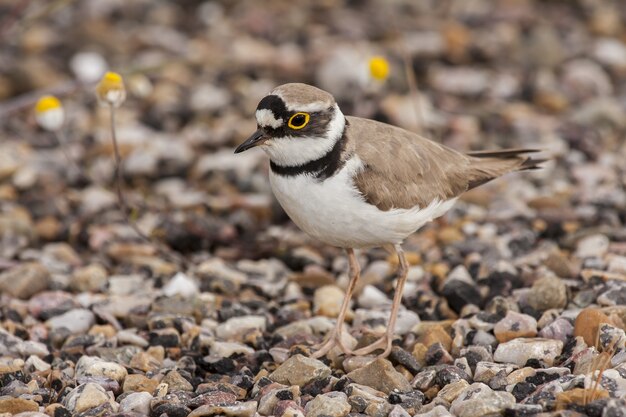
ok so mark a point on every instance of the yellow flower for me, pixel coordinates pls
(110, 90)
(379, 68)
(49, 113)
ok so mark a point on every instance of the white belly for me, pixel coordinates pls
(334, 212)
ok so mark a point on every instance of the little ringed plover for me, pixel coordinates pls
(357, 183)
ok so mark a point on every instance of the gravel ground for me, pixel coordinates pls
(516, 300)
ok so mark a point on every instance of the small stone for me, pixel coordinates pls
(479, 400)
(400, 356)
(515, 325)
(560, 329)
(17, 405)
(558, 263)
(182, 285)
(84, 397)
(332, 404)
(398, 411)
(372, 297)
(88, 366)
(587, 324)
(35, 364)
(519, 351)
(485, 371)
(327, 300)
(137, 402)
(25, 280)
(377, 320)
(436, 334)
(615, 296)
(438, 411)
(460, 290)
(437, 354)
(176, 382)
(592, 246)
(380, 375)
(75, 321)
(144, 362)
(167, 338)
(228, 349)
(451, 391)
(89, 278)
(236, 327)
(139, 383)
(547, 293)
(300, 370)
(273, 394)
(240, 409)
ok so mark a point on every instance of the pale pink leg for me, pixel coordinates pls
(334, 339)
(385, 341)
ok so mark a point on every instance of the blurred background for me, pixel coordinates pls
(471, 74)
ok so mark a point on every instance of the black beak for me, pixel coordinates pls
(255, 139)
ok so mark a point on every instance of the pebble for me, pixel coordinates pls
(327, 300)
(241, 409)
(139, 383)
(451, 391)
(438, 411)
(587, 324)
(14, 406)
(176, 382)
(436, 334)
(377, 320)
(479, 400)
(460, 290)
(25, 280)
(332, 404)
(88, 366)
(380, 375)
(228, 349)
(89, 278)
(235, 328)
(85, 397)
(182, 285)
(519, 351)
(137, 402)
(515, 325)
(592, 246)
(560, 329)
(75, 321)
(547, 293)
(300, 370)
(486, 371)
(35, 364)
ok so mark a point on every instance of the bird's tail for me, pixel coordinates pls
(488, 165)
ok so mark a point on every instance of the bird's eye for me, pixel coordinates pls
(298, 120)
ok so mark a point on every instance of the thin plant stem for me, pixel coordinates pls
(415, 94)
(121, 200)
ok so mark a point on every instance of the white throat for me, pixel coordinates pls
(298, 150)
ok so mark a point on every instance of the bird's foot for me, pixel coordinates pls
(382, 343)
(333, 340)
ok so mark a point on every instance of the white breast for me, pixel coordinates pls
(334, 212)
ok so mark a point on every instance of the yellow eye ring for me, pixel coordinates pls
(297, 118)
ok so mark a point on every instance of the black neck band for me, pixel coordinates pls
(321, 168)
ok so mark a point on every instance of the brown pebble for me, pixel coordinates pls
(587, 324)
(139, 383)
(436, 334)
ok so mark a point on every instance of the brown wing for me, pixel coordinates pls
(404, 170)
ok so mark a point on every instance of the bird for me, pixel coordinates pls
(357, 183)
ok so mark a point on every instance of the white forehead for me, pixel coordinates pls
(266, 118)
